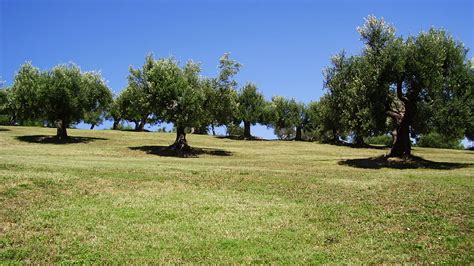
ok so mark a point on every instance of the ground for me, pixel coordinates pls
(112, 196)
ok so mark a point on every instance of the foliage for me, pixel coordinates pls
(134, 103)
(436, 140)
(290, 117)
(328, 119)
(385, 140)
(223, 96)
(7, 113)
(251, 107)
(234, 130)
(251, 104)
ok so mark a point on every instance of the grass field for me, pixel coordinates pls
(113, 197)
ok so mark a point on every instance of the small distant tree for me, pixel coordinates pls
(251, 107)
(436, 140)
(224, 97)
(114, 113)
(62, 96)
(328, 116)
(136, 106)
(94, 118)
(290, 118)
(350, 81)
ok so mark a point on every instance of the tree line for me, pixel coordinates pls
(404, 87)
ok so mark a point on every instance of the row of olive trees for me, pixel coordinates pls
(161, 90)
(406, 87)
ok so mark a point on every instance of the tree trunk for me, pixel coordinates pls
(298, 136)
(92, 126)
(401, 140)
(116, 123)
(247, 134)
(213, 130)
(180, 143)
(61, 130)
(334, 135)
(401, 135)
(359, 140)
(141, 125)
(137, 124)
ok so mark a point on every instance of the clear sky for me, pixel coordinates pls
(283, 45)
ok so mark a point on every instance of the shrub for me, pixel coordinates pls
(380, 140)
(436, 140)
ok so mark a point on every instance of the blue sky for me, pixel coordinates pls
(283, 45)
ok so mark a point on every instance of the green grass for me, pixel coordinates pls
(111, 199)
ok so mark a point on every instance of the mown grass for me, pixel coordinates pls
(108, 197)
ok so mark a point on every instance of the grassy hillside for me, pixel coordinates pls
(112, 196)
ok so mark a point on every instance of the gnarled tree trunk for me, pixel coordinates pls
(180, 143)
(403, 118)
(247, 134)
(401, 139)
(61, 129)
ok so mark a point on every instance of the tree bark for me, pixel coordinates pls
(401, 139)
(180, 143)
(213, 130)
(247, 134)
(92, 126)
(61, 130)
(298, 136)
(401, 135)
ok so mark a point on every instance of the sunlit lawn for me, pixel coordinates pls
(112, 197)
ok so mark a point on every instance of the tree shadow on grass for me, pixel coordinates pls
(4, 129)
(361, 146)
(43, 139)
(241, 138)
(413, 162)
(167, 151)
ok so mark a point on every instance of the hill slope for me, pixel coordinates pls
(113, 197)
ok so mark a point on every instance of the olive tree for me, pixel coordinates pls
(290, 118)
(424, 82)
(251, 107)
(223, 96)
(176, 94)
(61, 96)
